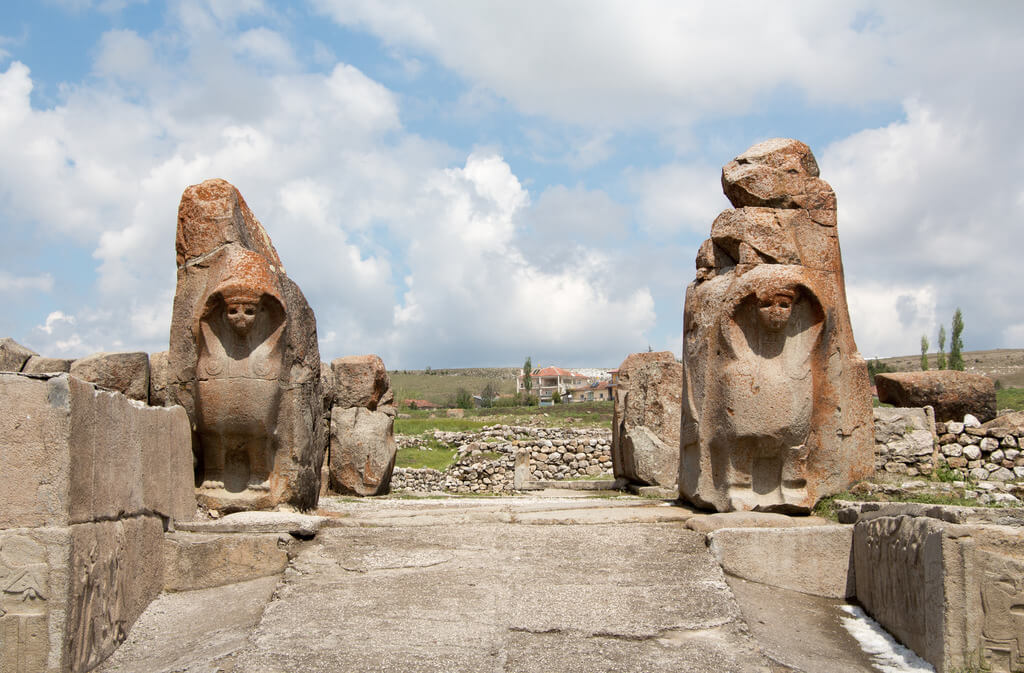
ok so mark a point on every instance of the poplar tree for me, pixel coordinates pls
(941, 357)
(924, 352)
(956, 344)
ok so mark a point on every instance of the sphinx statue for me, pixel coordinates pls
(776, 403)
(243, 360)
(238, 395)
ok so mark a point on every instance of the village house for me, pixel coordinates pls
(598, 391)
(548, 380)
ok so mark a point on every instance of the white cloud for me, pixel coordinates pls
(673, 63)
(930, 202)
(889, 320)
(10, 283)
(678, 198)
(266, 46)
(474, 289)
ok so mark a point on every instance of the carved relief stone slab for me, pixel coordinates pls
(243, 359)
(776, 399)
(954, 593)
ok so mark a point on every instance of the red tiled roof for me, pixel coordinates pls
(421, 404)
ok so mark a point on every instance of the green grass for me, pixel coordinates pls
(826, 507)
(434, 458)
(417, 426)
(1010, 398)
(439, 386)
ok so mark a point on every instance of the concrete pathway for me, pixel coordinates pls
(538, 583)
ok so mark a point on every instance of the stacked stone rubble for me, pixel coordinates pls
(486, 461)
(905, 441)
(989, 452)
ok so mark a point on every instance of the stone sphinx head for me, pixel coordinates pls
(775, 308)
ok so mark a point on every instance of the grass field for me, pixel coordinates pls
(441, 386)
(583, 414)
(1010, 398)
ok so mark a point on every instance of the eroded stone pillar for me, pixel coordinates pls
(243, 359)
(776, 399)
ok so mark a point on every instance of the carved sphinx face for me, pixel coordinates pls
(241, 316)
(774, 311)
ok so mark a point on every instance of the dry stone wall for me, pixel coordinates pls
(983, 453)
(906, 445)
(486, 460)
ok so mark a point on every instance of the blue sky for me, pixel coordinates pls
(468, 183)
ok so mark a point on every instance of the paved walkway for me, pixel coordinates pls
(492, 584)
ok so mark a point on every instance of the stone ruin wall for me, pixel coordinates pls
(553, 454)
(909, 442)
(91, 481)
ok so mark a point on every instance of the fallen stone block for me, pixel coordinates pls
(952, 394)
(813, 560)
(291, 523)
(126, 373)
(201, 560)
(13, 355)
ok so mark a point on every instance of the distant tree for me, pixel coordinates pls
(556, 398)
(941, 357)
(924, 352)
(412, 404)
(487, 395)
(463, 399)
(527, 379)
(956, 344)
(649, 349)
(427, 370)
(877, 367)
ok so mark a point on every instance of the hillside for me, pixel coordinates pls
(1005, 365)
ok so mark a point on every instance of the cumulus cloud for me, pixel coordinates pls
(678, 198)
(922, 205)
(673, 63)
(474, 289)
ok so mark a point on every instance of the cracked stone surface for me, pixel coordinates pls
(476, 585)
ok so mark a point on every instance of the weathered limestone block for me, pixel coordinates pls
(200, 561)
(362, 445)
(37, 364)
(951, 393)
(814, 560)
(645, 419)
(89, 479)
(363, 451)
(243, 359)
(158, 379)
(13, 355)
(361, 381)
(951, 592)
(127, 459)
(776, 399)
(126, 373)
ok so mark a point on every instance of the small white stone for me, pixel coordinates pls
(971, 451)
(954, 427)
(971, 422)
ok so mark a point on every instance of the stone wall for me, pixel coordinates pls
(91, 480)
(992, 454)
(904, 441)
(486, 461)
